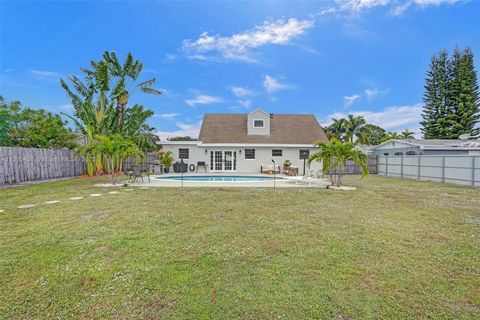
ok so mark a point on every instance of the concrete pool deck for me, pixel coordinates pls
(280, 182)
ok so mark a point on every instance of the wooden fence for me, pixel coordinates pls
(352, 168)
(18, 165)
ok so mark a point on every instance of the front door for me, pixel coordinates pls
(223, 160)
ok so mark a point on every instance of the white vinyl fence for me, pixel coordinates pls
(459, 169)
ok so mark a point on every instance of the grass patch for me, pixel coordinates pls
(392, 249)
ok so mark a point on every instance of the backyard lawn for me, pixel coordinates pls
(392, 249)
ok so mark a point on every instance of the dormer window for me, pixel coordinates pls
(259, 123)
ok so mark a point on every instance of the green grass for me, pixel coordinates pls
(392, 249)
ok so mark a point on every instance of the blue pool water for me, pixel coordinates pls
(217, 178)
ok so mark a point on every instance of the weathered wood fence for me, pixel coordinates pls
(352, 168)
(18, 165)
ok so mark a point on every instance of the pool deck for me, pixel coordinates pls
(280, 182)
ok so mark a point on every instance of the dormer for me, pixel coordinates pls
(258, 123)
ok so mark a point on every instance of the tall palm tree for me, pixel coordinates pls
(334, 156)
(337, 128)
(125, 76)
(355, 128)
(406, 134)
(390, 136)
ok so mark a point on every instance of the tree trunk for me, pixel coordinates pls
(120, 111)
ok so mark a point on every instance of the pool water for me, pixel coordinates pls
(217, 178)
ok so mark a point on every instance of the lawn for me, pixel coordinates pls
(392, 249)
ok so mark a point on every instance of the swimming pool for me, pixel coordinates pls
(217, 178)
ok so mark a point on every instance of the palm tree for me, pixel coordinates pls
(337, 129)
(125, 76)
(115, 149)
(334, 156)
(390, 136)
(355, 127)
(406, 134)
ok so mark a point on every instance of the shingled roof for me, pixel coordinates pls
(284, 129)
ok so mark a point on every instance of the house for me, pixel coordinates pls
(245, 142)
(427, 147)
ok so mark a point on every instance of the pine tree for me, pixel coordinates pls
(451, 99)
(463, 95)
(435, 110)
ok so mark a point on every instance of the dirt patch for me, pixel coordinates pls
(153, 309)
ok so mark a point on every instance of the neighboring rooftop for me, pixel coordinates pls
(284, 129)
(438, 143)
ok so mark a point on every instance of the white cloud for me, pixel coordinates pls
(203, 99)
(42, 74)
(392, 118)
(241, 91)
(397, 7)
(359, 5)
(373, 92)
(245, 103)
(183, 129)
(271, 84)
(239, 46)
(166, 115)
(349, 100)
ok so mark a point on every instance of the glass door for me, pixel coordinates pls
(224, 160)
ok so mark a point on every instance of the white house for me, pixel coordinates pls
(245, 142)
(396, 147)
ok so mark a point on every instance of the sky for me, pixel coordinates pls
(327, 58)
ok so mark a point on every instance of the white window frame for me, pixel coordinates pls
(263, 123)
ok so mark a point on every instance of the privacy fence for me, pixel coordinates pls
(18, 165)
(459, 169)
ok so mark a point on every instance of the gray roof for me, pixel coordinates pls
(438, 144)
(284, 129)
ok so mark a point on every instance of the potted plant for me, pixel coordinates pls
(287, 164)
(166, 158)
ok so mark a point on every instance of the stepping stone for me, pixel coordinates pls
(143, 187)
(2, 211)
(113, 192)
(26, 206)
(76, 198)
(128, 189)
(95, 195)
(51, 202)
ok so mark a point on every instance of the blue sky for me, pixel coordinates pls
(329, 58)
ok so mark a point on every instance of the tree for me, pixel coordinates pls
(451, 99)
(336, 129)
(390, 136)
(33, 128)
(100, 101)
(406, 134)
(355, 128)
(464, 95)
(375, 134)
(115, 149)
(334, 156)
(125, 76)
(185, 138)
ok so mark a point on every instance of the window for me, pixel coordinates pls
(249, 153)
(277, 152)
(258, 123)
(386, 154)
(304, 154)
(183, 153)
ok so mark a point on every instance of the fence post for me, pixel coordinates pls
(401, 167)
(473, 171)
(419, 166)
(443, 169)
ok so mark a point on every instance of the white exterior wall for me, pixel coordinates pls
(263, 155)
